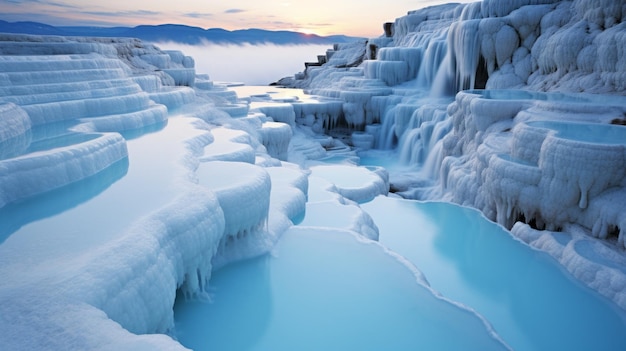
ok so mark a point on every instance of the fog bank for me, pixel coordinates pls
(247, 63)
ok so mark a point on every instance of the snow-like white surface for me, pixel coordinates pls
(358, 184)
(206, 198)
(231, 182)
(105, 266)
(229, 145)
(276, 136)
(333, 214)
(547, 170)
(537, 147)
(15, 122)
(21, 177)
(93, 265)
(288, 179)
(126, 178)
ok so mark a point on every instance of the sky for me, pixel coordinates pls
(362, 18)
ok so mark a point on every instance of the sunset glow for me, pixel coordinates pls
(322, 17)
(306, 31)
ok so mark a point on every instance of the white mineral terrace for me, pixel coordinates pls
(131, 186)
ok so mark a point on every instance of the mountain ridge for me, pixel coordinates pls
(178, 33)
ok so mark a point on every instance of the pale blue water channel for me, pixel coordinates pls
(328, 289)
(324, 289)
(525, 294)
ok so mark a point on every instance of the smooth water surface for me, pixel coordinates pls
(325, 289)
(587, 132)
(275, 93)
(383, 158)
(99, 208)
(525, 294)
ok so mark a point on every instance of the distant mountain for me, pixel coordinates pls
(29, 28)
(177, 33)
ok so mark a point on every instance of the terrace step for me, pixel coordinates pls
(53, 63)
(58, 88)
(79, 94)
(67, 110)
(63, 76)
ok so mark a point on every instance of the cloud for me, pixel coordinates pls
(40, 2)
(140, 13)
(320, 24)
(198, 14)
(234, 11)
(281, 24)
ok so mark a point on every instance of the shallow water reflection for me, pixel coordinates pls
(325, 290)
(527, 296)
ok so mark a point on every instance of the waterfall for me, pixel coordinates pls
(433, 57)
(433, 161)
(411, 148)
(427, 126)
(386, 133)
(448, 60)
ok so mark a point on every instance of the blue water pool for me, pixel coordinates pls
(527, 296)
(325, 289)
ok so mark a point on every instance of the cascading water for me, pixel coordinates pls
(386, 137)
(457, 72)
(442, 72)
(427, 127)
(411, 147)
(433, 161)
(433, 57)
(435, 148)
(484, 149)
(463, 38)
